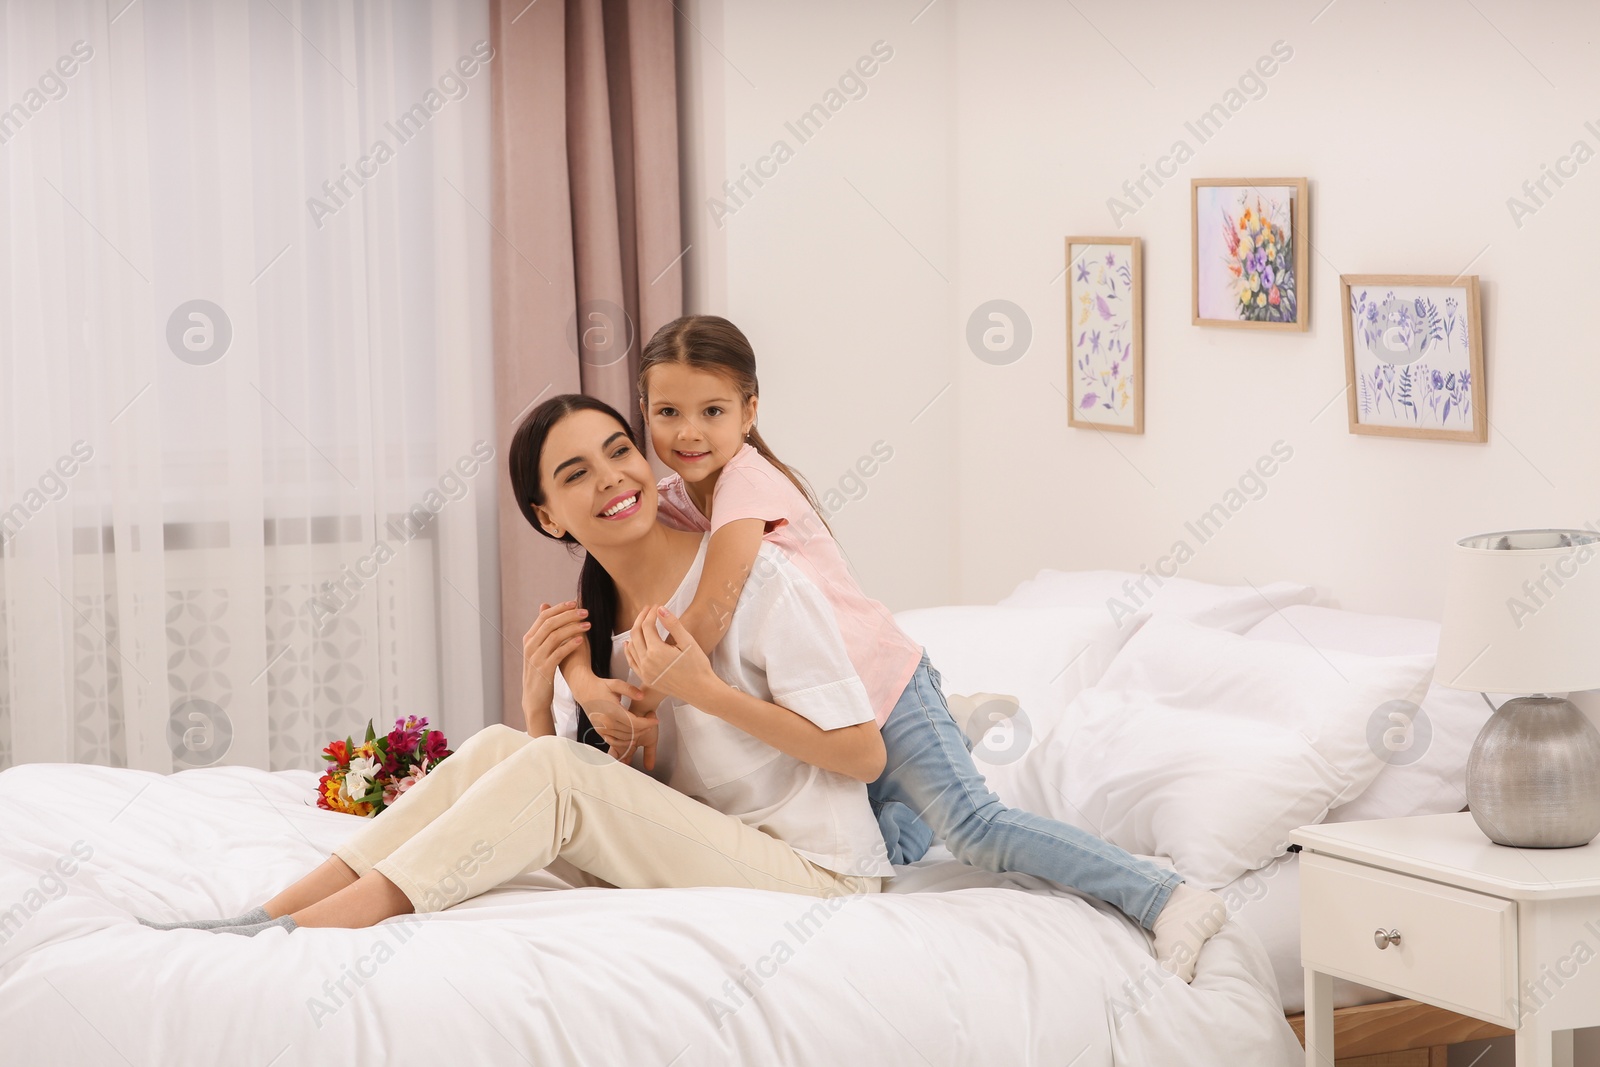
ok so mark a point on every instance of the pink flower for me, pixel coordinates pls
(396, 786)
(405, 735)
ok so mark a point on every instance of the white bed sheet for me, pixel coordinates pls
(1267, 901)
(953, 966)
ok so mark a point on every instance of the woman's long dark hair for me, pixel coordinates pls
(596, 590)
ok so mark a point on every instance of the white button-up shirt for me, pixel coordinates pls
(782, 646)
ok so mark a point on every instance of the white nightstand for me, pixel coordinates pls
(1507, 935)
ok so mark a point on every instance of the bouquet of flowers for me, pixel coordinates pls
(1262, 262)
(364, 780)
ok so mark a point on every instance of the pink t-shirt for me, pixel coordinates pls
(751, 488)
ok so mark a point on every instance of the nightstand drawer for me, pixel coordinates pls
(1456, 949)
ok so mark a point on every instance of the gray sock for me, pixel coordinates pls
(252, 929)
(254, 915)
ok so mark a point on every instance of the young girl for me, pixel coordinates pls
(698, 393)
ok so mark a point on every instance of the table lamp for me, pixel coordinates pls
(1522, 615)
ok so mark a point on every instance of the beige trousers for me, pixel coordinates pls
(507, 802)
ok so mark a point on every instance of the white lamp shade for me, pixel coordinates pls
(1522, 613)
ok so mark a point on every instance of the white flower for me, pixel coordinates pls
(358, 779)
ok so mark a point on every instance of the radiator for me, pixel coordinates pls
(376, 657)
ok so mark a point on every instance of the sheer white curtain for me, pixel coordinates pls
(247, 474)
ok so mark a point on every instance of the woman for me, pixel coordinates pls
(762, 753)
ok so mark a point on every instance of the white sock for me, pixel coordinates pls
(252, 929)
(254, 915)
(1190, 918)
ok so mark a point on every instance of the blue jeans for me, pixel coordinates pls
(930, 787)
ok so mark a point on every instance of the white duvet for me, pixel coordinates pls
(951, 966)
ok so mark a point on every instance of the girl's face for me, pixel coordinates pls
(697, 419)
(597, 486)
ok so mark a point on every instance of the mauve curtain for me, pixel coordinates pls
(588, 260)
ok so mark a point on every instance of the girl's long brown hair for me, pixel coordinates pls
(712, 343)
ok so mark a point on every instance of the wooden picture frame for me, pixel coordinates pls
(1105, 333)
(1229, 214)
(1433, 323)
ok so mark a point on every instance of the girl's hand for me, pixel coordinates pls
(633, 733)
(635, 727)
(624, 729)
(648, 703)
(676, 666)
(554, 634)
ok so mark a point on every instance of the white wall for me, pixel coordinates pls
(838, 288)
(998, 128)
(1414, 123)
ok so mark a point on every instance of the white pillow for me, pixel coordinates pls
(1427, 753)
(1349, 631)
(1122, 593)
(1209, 748)
(1042, 656)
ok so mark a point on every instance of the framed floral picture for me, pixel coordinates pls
(1105, 334)
(1413, 356)
(1251, 252)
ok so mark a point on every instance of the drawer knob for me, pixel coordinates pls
(1384, 938)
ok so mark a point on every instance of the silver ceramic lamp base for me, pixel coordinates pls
(1533, 779)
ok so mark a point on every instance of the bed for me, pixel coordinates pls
(1170, 736)
(952, 966)
(982, 649)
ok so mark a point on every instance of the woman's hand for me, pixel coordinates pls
(554, 634)
(676, 666)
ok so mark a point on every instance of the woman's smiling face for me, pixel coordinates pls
(597, 485)
(697, 419)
